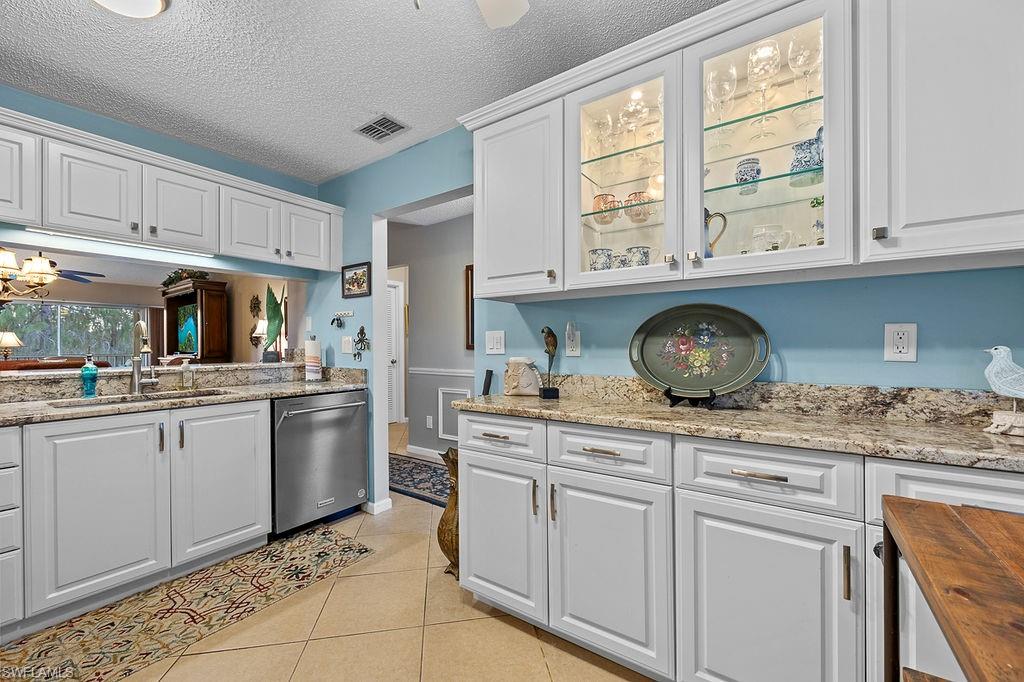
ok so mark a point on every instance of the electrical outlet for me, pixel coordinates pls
(572, 340)
(900, 343)
(430, 422)
(495, 343)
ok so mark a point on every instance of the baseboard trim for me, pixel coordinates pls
(426, 454)
(378, 507)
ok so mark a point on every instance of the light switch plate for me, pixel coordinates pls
(495, 342)
(900, 342)
(346, 344)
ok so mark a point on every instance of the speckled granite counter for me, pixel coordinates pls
(961, 445)
(34, 412)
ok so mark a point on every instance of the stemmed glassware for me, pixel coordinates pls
(719, 89)
(805, 52)
(763, 65)
(633, 115)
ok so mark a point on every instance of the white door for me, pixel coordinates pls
(394, 318)
(19, 177)
(767, 147)
(306, 237)
(250, 225)
(220, 477)
(923, 647)
(942, 172)
(90, 192)
(610, 565)
(179, 210)
(503, 532)
(517, 206)
(97, 505)
(623, 190)
(764, 594)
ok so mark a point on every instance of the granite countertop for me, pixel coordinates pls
(961, 445)
(37, 411)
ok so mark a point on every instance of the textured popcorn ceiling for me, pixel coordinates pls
(440, 213)
(283, 83)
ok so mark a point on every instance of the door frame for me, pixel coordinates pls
(398, 330)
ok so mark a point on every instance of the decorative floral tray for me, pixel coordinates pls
(699, 350)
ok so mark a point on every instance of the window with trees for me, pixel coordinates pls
(72, 329)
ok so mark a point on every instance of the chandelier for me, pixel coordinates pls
(29, 280)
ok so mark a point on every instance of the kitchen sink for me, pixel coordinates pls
(129, 398)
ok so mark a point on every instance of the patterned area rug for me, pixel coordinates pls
(119, 639)
(418, 478)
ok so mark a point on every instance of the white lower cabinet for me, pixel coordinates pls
(764, 594)
(503, 532)
(97, 505)
(220, 477)
(610, 558)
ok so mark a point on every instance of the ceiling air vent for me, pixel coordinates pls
(381, 129)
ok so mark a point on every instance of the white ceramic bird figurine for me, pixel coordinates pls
(1004, 376)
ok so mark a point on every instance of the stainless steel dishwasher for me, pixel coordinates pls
(320, 456)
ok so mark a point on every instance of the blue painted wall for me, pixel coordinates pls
(41, 107)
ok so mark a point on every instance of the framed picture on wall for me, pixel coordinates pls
(470, 316)
(355, 280)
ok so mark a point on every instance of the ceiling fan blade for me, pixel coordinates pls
(80, 272)
(502, 13)
(73, 277)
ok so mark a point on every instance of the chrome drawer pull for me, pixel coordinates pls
(759, 476)
(602, 451)
(494, 436)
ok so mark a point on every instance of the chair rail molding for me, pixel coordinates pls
(441, 371)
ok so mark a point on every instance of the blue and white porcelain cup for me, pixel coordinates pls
(638, 256)
(600, 259)
(748, 170)
(620, 260)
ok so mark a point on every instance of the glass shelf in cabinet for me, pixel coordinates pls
(605, 157)
(624, 207)
(793, 174)
(768, 149)
(759, 114)
(771, 191)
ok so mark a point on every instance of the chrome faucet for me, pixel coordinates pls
(140, 348)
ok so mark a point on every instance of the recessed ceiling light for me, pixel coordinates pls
(136, 9)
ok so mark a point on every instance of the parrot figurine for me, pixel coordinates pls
(550, 347)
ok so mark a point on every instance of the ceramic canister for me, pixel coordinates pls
(522, 377)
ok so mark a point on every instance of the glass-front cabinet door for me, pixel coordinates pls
(622, 184)
(767, 144)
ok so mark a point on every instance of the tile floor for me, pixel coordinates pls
(392, 616)
(398, 438)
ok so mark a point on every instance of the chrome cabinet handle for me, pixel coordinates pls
(152, 229)
(288, 253)
(277, 251)
(326, 408)
(759, 475)
(181, 434)
(602, 451)
(551, 273)
(494, 436)
(551, 504)
(670, 258)
(880, 232)
(692, 256)
(134, 226)
(161, 436)
(846, 572)
(535, 497)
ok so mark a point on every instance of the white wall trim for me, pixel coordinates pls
(440, 412)
(377, 507)
(39, 126)
(379, 471)
(398, 344)
(417, 452)
(676, 37)
(441, 371)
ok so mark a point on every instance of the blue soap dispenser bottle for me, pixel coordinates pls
(89, 376)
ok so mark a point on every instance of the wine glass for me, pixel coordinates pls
(763, 65)
(634, 114)
(804, 55)
(719, 89)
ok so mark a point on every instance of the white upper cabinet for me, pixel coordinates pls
(517, 218)
(621, 177)
(19, 177)
(767, 131)
(306, 237)
(91, 192)
(250, 225)
(941, 168)
(179, 210)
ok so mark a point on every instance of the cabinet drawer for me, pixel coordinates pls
(10, 446)
(511, 436)
(941, 483)
(10, 530)
(12, 587)
(812, 480)
(630, 454)
(10, 487)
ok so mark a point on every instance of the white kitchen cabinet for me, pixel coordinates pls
(90, 192)
(12, 587)
(250, 225)
(764, 594)
(769, 165)
(610, 558)
(517, 215)
(940, 172)
(180, 210)
(98, 505)
(503, 507)
(19, 177)
(622, 196)
(220, 477)
(306, 237)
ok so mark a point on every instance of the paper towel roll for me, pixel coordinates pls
(314, 371)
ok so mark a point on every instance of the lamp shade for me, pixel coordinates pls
(10, 340)
(38, 270)
(261, 328)
(8, 265)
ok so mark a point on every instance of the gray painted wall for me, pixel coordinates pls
(436, 256)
